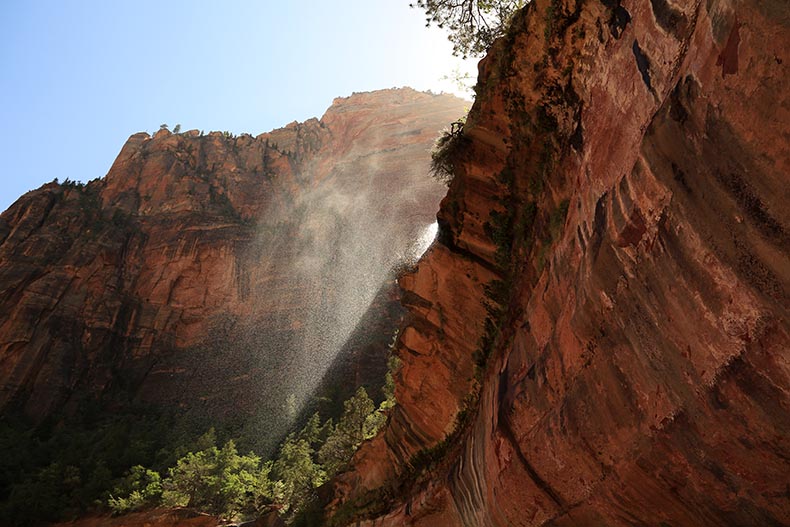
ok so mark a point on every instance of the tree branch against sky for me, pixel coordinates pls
(473, 25)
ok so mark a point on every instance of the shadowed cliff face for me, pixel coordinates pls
(622, 192)
(215, 273)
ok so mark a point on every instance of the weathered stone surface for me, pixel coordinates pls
(186, 277)
(639, 372)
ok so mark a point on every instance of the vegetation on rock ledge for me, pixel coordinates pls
(473, 24)
(222, 482)
(138, 462)
(446, 151)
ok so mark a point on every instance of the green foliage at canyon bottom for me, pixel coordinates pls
(130, 464)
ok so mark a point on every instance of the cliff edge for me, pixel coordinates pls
(599, 336)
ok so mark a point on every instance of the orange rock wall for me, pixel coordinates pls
(638, 370)
(179, 279)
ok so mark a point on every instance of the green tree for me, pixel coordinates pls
(353, 427)
(377, 419)
(388, 390)
(314, 432)
(218, 481)
(141, 488)
(296, 472)
(206, 441)
(473, 24)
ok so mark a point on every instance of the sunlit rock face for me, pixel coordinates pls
(630, 160)
(221, 274)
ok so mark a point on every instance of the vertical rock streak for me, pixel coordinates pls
(631, 201)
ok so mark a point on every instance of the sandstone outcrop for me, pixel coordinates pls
(205, 271)
(600, 334)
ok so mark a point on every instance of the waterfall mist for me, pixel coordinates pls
(320, 260)
(320, 218)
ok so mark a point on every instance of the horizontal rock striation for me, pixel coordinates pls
(599, 336)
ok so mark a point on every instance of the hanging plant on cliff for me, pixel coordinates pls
(473, 24)
(446, 151)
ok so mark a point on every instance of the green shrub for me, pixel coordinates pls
(297, 473)
(219, 481)
(141, 488)
(446, 150)
(355, 425)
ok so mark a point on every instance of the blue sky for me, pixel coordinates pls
(79, 77)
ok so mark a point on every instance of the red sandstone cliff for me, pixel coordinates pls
(614, 254)
(188, 276)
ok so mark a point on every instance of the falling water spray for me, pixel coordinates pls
(320, 262)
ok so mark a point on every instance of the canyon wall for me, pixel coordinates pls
(599, 335)
(216, 273)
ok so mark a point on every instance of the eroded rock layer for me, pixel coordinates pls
(600, 334)
(216, 272)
